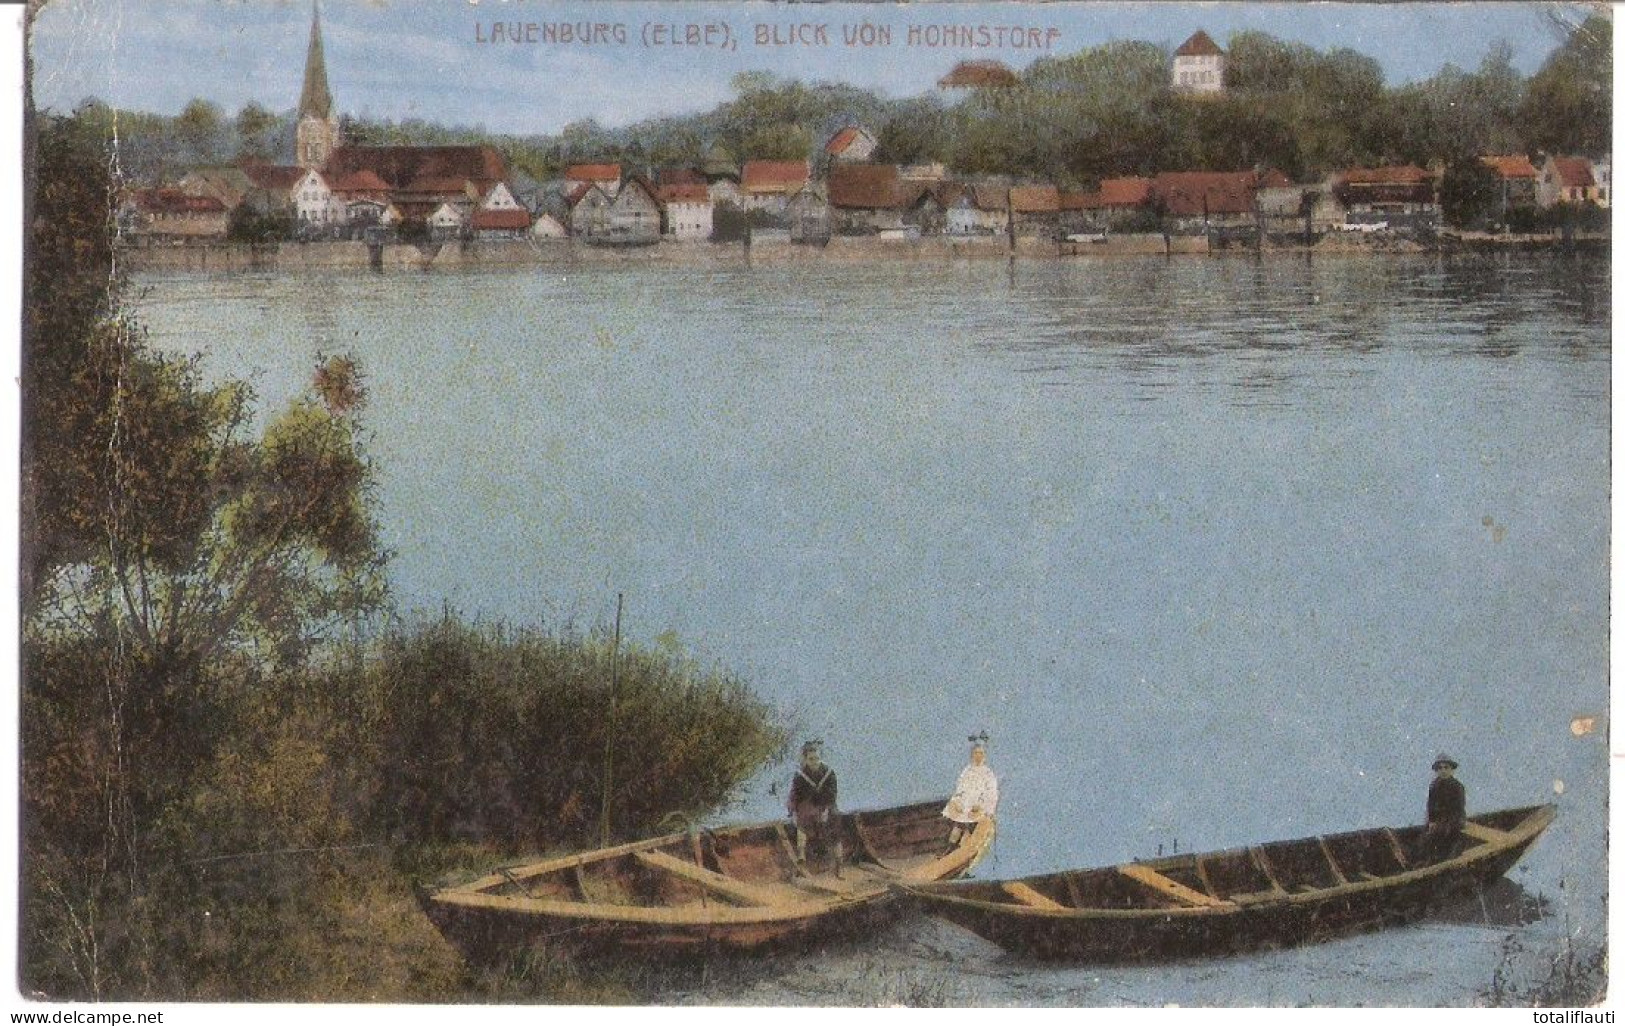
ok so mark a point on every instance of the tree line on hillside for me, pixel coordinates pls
(1105, 111)
(236, 753)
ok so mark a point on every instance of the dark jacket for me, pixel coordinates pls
(1447, 804)
(814, 792)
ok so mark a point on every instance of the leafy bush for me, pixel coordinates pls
(498, 736)
(1586, 216)
(249, 225)
(1137, 222)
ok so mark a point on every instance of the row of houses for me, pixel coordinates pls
(466, 192)
(442, 192)
(872, 198)
(441, 189)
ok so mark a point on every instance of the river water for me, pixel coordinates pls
(1217, 551)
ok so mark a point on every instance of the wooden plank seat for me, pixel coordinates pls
(1027, 896)
(1172, 888)
(1487, 835)
(734, 890)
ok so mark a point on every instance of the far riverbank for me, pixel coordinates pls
(323, 256)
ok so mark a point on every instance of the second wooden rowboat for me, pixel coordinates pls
(1271, 895)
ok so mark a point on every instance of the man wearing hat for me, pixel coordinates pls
(812, 806)
(1447, 812)
(976, 795)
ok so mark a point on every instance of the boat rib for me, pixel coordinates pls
(735, 890)
(1027, 896)
(1172, 888)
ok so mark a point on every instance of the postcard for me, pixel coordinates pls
(923, 505)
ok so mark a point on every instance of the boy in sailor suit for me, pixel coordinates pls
(812, 806)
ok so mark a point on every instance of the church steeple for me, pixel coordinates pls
(318, 132)
(315, 100)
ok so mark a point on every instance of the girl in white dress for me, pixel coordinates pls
(976, 795)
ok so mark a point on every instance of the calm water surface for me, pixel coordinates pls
(1216, 551)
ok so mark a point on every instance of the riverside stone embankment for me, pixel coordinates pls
(322, 256)
(329, 256)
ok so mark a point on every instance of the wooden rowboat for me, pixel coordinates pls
(734, 888)
(1272, 895)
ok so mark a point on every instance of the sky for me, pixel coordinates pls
(441, 60)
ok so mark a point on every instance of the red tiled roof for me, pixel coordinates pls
(773, 175)
(398, 165)
(276, 177)
(979, 73)
(1125, 192)
(1573, 172)
(1199, 45)
(579, 193)
(1080, 200)
(990, 197)
(949, 193)
(1400, 174)
(593, 173)
(843, 139)
(679, 176)
(497, 220)
(1405, 183)
(913, 194)
(174, 201)
(863, 186)
(437, 187)
(1035, 199)
(360, 181)
(1512, 166)
(684, 194)
(1194, 193)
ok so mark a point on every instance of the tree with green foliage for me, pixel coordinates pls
(170, 560)
(1467, 192)
(1569, 105)
(246, 224)
(779, 141)
(200, 129)
(1081, 117)
(257, 132)
(1239, 133)
(1309, 110)
(917, 132)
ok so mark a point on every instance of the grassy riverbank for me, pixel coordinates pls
(281, 869)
